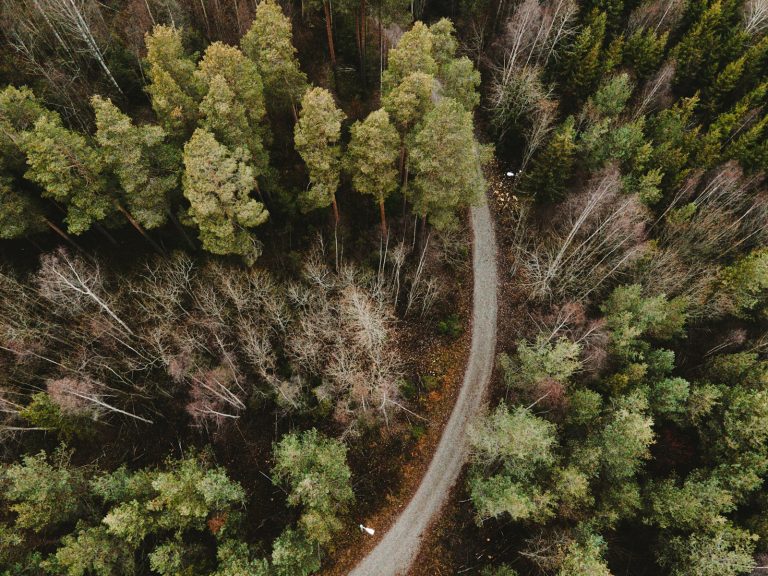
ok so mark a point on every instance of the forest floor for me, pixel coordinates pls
(401, 540)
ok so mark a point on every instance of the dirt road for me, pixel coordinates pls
(397, 550)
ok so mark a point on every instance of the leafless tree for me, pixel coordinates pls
(595, 234)
(755, 14)
(659, 15)
(657, 91)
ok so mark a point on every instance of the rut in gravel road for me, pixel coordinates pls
(395, 553)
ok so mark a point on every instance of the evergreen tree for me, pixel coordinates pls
(218, 182)
(143, 164)
(444, 43)
(460, 81)
(269, 43)
(19, 110)
(413, 53)
(315, 470)
(447, 161)
(584, 61)
(68, 170)
(173, 89)
(372, 158)
(316, 136)
(233, 107)
(18, 214)
(643, 52)
(551, 169)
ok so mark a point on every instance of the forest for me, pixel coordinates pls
(240, 285)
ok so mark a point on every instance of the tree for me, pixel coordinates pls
(696, 505)
(91, 551)
(510, 452)
(551, 169)
(585, 558)
(45, 491)
(722, 550)
(372, 157)
(269, 44)
(316, 136)
(444, 43)
(315, 470)
(19, 110)
(218, 182)
(413, 53)
(624, 442)
(460, 81)
(584, 61)
(447, 161)
(294, 555)
(144, 165)
(743, 285)
(233, 107)
(174, 90)
(68, 170)
(542, 359)
(18, 214)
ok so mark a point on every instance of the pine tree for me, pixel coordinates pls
(19, 110)
(269, 44)
(173, 89)
(218, 182)
(643, 52)
(584, 62)
(447, 161)
(372, 157)
(68, 170)
(444, 43)
(316, 136)
(233, 108)
(409, 101)
(551, 169)
(460, 81)
(413, 53)
(18, 214)
(141, 161)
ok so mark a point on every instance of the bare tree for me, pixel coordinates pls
(755, 14)
(594, 236)
(657, 91)
(659, 15)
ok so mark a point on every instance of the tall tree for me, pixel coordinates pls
(447, 161)
(173, 89)
(269, 43)
(69, 170)
(372, 157)
(316, 136)
(413, 53)
(233, 108)
(217, 182)
(143, 165)
(552, 168)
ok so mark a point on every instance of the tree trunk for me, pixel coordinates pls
(180, 228)
(335, 211)
(329, 32)
(139, 228)
(383, 215)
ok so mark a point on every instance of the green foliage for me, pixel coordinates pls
(668, 397)
(314, 469)
(644, 50)
(18, 215)
(581, 66)
(174, 89)
(269, 43)
(409, 101)
(68, 170)
(585, 558)
(144, 166)
(233, 107)
(44, 491)
(744, 285)
(630, 316)
(543, 359)
(450, 326)
(696, 505)
(552, 168)
(611, 98)
(20, 109)
(447, 161)
(293, 554)
(372, 155)
(413, 53)
(444, 43)
(722, 550)
(236, 559)
(625, 441)
(316, 136)
(91, 552)
(218, 183)
(460, 81)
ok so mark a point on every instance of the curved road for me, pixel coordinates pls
(395, 553)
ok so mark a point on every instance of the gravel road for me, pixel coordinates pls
(396, 551)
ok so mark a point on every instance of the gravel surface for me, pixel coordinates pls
(396, 551)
